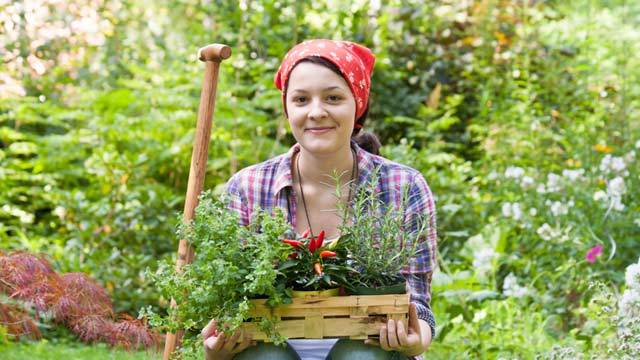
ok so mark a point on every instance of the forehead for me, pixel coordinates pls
(309, 76)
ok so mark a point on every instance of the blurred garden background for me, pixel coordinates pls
(523, 116)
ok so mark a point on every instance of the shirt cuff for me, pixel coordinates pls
(425, 313)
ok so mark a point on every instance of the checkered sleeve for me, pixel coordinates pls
(236, 200)
(420, 217)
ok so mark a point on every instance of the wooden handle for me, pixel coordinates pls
(212, 55)
(214, 52)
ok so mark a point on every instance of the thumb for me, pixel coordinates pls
(210, 329)
(414, 322)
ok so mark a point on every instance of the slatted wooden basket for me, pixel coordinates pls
(316, 317)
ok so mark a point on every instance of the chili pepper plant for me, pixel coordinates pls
(313, 264)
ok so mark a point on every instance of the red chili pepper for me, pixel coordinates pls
(320, 240)
(293, 256)
(294, 243)
(317, 267)
(312, 245)
(306, 233)
(327, 253)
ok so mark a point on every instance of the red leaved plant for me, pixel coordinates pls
(17, 321)
(73, 299)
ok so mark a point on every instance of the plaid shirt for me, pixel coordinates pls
(270, 184)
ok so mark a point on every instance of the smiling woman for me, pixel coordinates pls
(325, 94)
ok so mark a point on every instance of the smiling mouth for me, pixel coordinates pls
(319, 130)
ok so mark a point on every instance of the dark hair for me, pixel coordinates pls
(365, 139)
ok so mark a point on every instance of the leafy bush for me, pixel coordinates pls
(232, 265)
(30, 285)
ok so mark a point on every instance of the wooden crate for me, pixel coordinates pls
(354, 317)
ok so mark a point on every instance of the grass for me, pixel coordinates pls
(45, 350)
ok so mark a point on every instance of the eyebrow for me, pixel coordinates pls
(325, 89)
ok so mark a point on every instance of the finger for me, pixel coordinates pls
(402, 334)
(392, 337)
(372, 342)
(384, 344)
(414, 322)
(232, 341)
(246, 341)
(209, 329)
(211, 343)
(221, 339)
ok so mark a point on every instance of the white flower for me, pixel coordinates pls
(573, 175)
(514, 172)
(26, 218)
(600, 195)
(546, 232)
(506, 209)
(630, 157)
(60, 212)
(632, 276)
(616, 203)
(512, 210)
(558, 208)
(616, 187)
(492, 175)
(637, 222)
(638, 144)
(533, 212)
(554, 182)
(483, 260)
(480, 315)
(630, 303)
(613, 164)
(527, 182)
(541, 189)
(511, 288)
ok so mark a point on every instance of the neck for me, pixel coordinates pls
(321, 170)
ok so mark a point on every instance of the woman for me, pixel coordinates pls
(325, 90)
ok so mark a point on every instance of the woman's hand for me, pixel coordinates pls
(411, 341)
(218, 346)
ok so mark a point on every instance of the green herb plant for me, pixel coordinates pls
(380, 240)
(232, 265)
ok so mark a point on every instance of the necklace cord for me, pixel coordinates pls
(354, 170)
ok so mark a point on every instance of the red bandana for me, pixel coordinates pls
(354, 61)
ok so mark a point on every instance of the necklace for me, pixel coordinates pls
(354, 170)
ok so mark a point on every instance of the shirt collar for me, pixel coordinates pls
(284, 178)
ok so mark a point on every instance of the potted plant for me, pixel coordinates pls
(377, 241)
(313, 268)
(233, 264)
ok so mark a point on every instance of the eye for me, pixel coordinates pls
(334, 98)
(299, 99)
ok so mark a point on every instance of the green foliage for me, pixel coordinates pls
(376, 238)
(96, 130)
(233, 264)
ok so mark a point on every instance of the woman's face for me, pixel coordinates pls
(321, 109)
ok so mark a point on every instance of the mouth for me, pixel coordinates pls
(319, 129)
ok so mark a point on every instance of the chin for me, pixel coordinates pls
(322, 146)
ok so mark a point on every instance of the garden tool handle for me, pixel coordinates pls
(214, 52)
(211, 55)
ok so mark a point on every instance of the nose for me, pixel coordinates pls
(317, 110)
